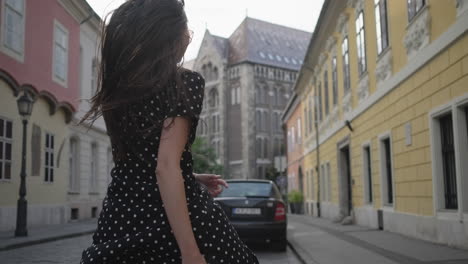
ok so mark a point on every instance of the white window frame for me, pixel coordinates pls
(73, 166)
(18, 56)
(55, 78)
(383, 172)
(456, 107)
(4, 139)
(50, 166)
(368, 200)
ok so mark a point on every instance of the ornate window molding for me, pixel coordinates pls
(347, 104)
(342, 24)
(363, 87)
(418, 33)
(384, 68)
(462, 7)
(358, 5)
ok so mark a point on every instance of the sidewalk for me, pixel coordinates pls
(319, 241)
(46, 234)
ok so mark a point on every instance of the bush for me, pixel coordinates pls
(295, 196)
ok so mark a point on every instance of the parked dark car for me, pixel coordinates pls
(256, 210)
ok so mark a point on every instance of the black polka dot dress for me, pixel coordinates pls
(133, 227)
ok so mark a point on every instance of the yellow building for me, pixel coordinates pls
(387, 82)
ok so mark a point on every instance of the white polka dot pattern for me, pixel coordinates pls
(133, 226)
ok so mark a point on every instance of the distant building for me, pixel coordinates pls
(249, 78)
(387, 81)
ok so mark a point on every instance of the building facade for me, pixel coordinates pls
(90, 153)
(39, 55)
(249, 78)
(294, 151)
(388, 83)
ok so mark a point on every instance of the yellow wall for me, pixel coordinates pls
(445, 77)
(38, 191)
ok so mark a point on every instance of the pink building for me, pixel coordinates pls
(40, 47)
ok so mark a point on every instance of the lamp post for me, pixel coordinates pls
(25, 105)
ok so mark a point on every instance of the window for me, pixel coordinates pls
(94, 169)
(94, 76)
(60, 56)
(346, 76)
(414, 7)
(319, 104)
(327, 99)
(448, 161)
(381, 25)
(258, 120)
(265, 147)
(49, 158)
(334, 81)
(322, 183)
(13, 27)
(311, 186)
(74, 181)
(238, 95)
(367, 173)
(6, 141)
(311, 118)
(361, 43)
(213, 99)
(386, 171)
(306, 122)
(36, 152)
(299, 136)
(293, 138)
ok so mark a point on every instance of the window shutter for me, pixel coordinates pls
(36, 151)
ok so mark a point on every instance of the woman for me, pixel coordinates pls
(155, 210)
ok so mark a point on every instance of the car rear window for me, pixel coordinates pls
(243, 189)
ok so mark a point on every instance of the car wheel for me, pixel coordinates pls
(280, 246)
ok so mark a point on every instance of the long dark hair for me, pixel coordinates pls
(142, 48)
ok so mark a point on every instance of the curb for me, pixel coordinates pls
(298, 256)
(44, 240)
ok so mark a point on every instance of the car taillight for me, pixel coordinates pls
(280, 212)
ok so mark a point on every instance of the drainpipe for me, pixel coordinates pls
(317, 149)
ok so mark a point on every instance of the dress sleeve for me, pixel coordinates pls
(190, 103)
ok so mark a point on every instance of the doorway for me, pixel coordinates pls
(344, 168)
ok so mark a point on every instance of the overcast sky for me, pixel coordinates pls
(222, 17)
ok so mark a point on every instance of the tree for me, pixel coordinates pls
(204, 158)
(272, 173)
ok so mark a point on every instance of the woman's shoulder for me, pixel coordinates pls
(190, 76)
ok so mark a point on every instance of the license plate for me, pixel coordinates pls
(246, 211)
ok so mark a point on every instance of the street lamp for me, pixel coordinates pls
(25, 105)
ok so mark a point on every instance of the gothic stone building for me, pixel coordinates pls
(249, 79)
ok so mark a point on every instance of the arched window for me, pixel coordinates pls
(213, 98)
(215, 73)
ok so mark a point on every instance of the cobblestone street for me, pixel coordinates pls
(68, 251)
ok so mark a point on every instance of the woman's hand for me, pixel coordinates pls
(193, 259)
(213, 183)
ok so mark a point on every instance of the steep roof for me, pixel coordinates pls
(266, 43)
(222, 45)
